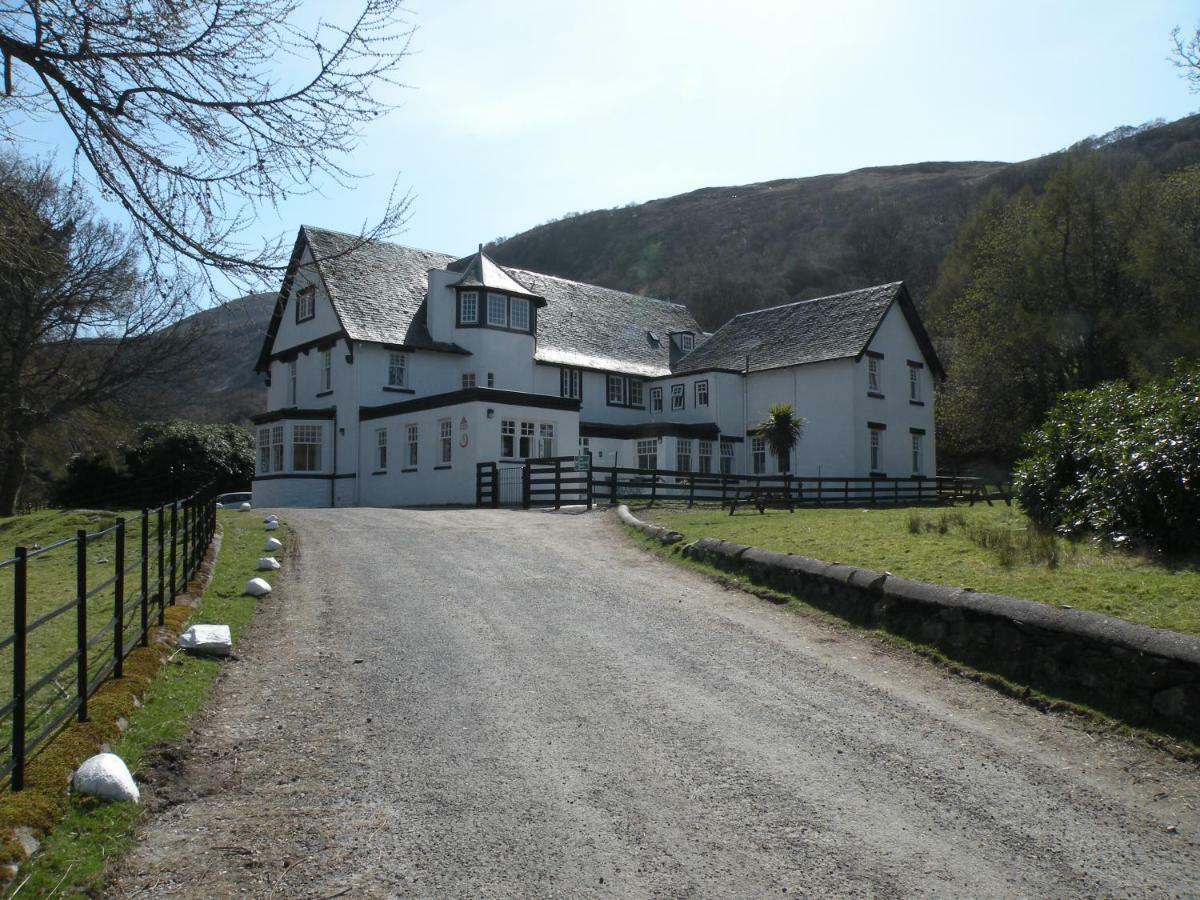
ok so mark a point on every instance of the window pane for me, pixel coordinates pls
(519, 311)
(470, 307)
(635, 392)
(497, 309)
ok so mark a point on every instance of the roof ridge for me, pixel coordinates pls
(357, 237)
(872, 287)
(602, 287)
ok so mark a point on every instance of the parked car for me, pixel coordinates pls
(236, 500)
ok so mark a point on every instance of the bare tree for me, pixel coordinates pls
(1185, 54)
(181, 113)
(79, 319)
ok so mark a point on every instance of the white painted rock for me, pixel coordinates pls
(213, 640)
(256, 587)
(267, 563)
(271, 518)
(272, 545)
(272, 525)
(106, 776)
(245, 506)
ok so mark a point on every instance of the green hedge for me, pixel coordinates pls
(1120, 461)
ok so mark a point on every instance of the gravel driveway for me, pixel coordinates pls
(505, 703)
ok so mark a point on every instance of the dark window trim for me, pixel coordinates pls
(875, 395)
(877, 474)
(913, 364)
(379, 472)
(873, 354)
(626, 379)
(292, 412)
(323, 393)
(454, 398)
(411, 469)
(458, 319)
(483, 321)
(877, 426)
(442, 468)
(916, 431)
(683, 393)
(696, 393)
(916, 402)
(325, 342)
(568, 369)
(310, 289)
(392, 389)
(311, 476)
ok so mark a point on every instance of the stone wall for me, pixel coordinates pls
(1145, 676)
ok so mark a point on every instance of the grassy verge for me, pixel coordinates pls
(992, 549)
(1085, 717)
(74, 856)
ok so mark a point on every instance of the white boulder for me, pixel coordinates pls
(106, 776)
(212, 640)
(272, 525)
(267, 563)
(245, 506)
(272, 545)
(271, 518)
(256, 587)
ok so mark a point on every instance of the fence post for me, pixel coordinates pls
(526, 497)
(558, 485)
(145, 577)
(653, 485)
(691, 489)
(162, 549)
(81, 618)
(590, 483)
(174, 550)
(612, 487)
(873, 480)
(20, 608)
(119, 602)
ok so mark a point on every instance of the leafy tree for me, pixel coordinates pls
(182, 115)
(79, 321)
(781, 431)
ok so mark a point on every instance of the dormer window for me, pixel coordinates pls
(497, 310)
(687, 342)
(468, 308)
(518, 314)
(306, 303)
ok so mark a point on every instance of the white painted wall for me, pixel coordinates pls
(323, 323)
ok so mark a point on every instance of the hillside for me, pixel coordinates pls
(731, 249)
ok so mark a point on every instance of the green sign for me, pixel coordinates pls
(583, 463)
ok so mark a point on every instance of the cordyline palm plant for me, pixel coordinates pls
(781, 431)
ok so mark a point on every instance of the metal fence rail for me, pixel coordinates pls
(170, 544)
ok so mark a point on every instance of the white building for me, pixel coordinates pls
(391, 372)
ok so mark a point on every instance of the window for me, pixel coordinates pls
(277, 448)
(446, 440)
(678, 396)
(411, 435)
(706, 448)
(264, 450)
(545, 440)
(570, 383)
(647, 452)
(683, 454)
(491, 379)
(635, 392)
(702, 393)
(326, 370)
(914, 382)
(397, 370)
(526, 440)
(585, 445)
(518, 313)
(468, 380)
(726, 457)
(508, 439)
(291, 385)
(917, 456)
(687, 342)
(306, 448)
(616, 390)
(306, 303)
(655, 399)
(873, 374)
(468, 308)
(497, 310)
(380, 449)
(758, 455)
(876, 448)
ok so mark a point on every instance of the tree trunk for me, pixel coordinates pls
(13, 476)
(784, 463)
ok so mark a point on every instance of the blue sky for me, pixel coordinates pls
(522, 111)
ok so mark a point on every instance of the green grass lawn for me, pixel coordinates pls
(91, 835)
(990, 549)
(51, 578)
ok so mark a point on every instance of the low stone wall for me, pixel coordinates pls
(1145, 676)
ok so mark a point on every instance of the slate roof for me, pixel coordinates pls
(483, 272)
(807, 331)
(378, 291)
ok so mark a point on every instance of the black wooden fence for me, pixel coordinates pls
(556, 481)
(134, 586)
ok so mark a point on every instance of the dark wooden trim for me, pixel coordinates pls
(916, 431)
(733, 438)
(293, 412)
(875, 395)
(309, 476)
(877, 426)
(877, 475)
(412, 469)
(325, 342)
(913, 364)
(342, 475)
(696, 404)
(874, 354)
(324, 393)
(442, 468)
(379, 472)
(392, 389)
(469, 395)
(310, 289)
(432, 348)
(701, 430)
(916, 402)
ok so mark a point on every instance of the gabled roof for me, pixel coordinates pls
(483, 272)
(378, 292)
(807, 331)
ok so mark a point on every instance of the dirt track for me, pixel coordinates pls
(450, 703)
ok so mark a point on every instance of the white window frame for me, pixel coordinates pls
(381, 448)
(468, 380)
(264, 451)
(412, 441)
(326, 370)
(656, 399)
(446, 441)
(518, 313)
(683, 454)
(497, 310)
(570, 383)
(758, 455)
(875, 457)
(616, 397)
(468, 301)
(307, 436)
(687, 342)
(277, 448)
(491, 379)
(306, 303)
(528, 435)
(678, 397)
(914, 384)
(705, 457)
(508, 438)
(918, 453)
(727, 457)
(873, 381)
(647, 452)
(293, 378)
(701, 392)
(634, 392)
(545, 443)
(397, 369)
